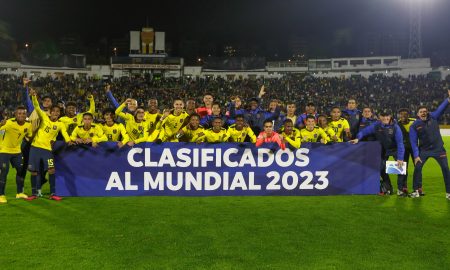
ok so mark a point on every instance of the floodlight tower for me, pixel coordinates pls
(415, 29)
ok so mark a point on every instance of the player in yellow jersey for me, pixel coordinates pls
(115, 132)
(192, 131)
(72, 118)
(136, 126)
(339, 125)
(152, 117)
(312, 133)
(291, 108)
(171, 123)
(12, 132)
(322, 122)
(88, 133)
(291, 135)
(216, 134)
(240, 131)
(41, 147)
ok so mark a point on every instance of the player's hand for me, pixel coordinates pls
(88, 140)
(166, 113)
(94, 144)
(25, 81)
(262, 91)
(107, 88)
(180, 133)
(323, 141)
(90, 97)
(120, 144)
(128, 101)
(417, 160)
(79, 141)
(400, 163)
(281, 137)
(130, 143)
(355, 141)
(32, 92)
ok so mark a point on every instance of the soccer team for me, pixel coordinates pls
(26, 140)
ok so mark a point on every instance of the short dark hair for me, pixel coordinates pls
(194, 115)
(71, 103)
(88, 114)
(47, 96)
(21, 107)
(288, 121)
(310, 104)
(267, 121)
(404, 110)
(385, 113)
(421, 107)
(239, 116)
(310, 117)
(109, 110)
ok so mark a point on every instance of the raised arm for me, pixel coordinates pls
(91, 104)
(441, 109)
(110, 97)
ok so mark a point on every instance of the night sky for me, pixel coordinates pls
(225, 21)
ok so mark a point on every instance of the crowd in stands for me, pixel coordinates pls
(377, 92)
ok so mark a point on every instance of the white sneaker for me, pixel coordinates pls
(447, 196)
(414, 194)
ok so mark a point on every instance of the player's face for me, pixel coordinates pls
(310, 123)
(109, 117)
(239, 123)
(403, 116)
(367, 113)
(178, 105)
(253, 105)
(153, 104)
(291, 109)
(273, 105)
(194, 122)
(47, 103)
(288, 127)
(71, 110)
(55, 113)
(310, 109)
(217, 124)
(385, 119)
(140, 114)
(87, 120)
(215, 110)
(336, 114)
(422, 114)
(268, 128)
(20, 115)
(351, 105)
(132, 106)
(323, 122)
(238, 102)
(208, 100)
(191, 105)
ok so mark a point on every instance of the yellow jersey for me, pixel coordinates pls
(72, 122)
(115, 133)
(313, 135)
(330, 132)
(191, 135)
(339, 126)
(95, 132)
(294, 139)
(12, 134)
(240, 135)
(48, 130)
(171, 125)
(138, 132)
(216, 137)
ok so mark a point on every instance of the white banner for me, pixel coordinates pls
(135, 40)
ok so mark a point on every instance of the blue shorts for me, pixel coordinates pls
(40, 156)
(15, 160)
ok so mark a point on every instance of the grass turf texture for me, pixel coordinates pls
(330, 232)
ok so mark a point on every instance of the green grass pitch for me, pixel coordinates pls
(330, 232)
